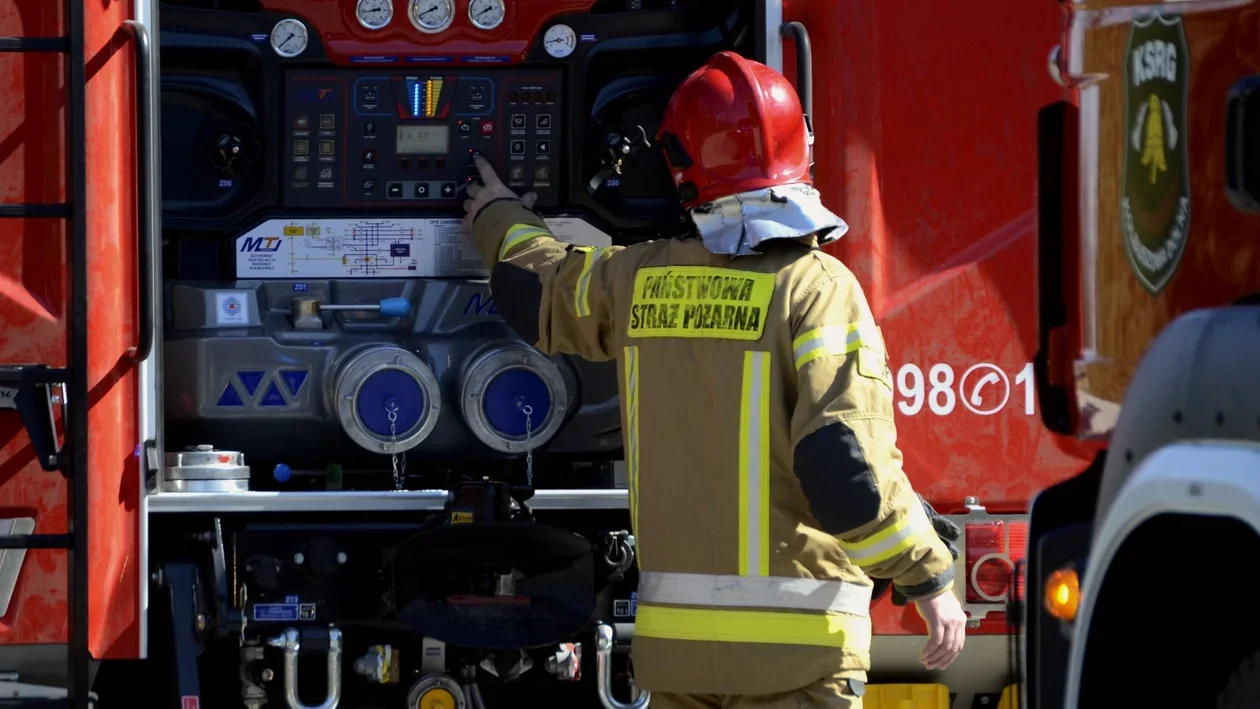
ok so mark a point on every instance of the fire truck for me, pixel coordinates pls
(1149, 205)
(266, 440)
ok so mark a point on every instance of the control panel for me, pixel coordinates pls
(406, 139)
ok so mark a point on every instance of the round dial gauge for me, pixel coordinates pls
(289, 37)
(374, 14)
(486, 14)
(560, 41)
(431, 15)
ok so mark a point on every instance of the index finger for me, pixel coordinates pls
(488, 176)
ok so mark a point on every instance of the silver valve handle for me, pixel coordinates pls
(389, 307)
(290, 641)
(605, 640)
(305, 311)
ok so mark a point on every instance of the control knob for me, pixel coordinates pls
(232, 155)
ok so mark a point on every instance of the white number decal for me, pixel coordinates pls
(942, 378)
(1025, 377)
(910, 384)
(984, 389)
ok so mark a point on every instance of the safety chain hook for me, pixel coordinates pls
(400, 471)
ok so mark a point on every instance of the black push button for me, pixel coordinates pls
(518, 121)
(394, 190)
(422, 190)
(518, 147)
(543, 147)
(448, 190)
(543, 121)
(369, 128)
(369, 185)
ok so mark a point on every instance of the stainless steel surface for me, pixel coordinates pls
(356, 372)
(604, 643)
(204, 469)
(495, 361)
(290, 642)
(374, 501)
(11, 559)
(223, 487)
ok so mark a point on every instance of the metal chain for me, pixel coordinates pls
(400, 476)
(529, 446)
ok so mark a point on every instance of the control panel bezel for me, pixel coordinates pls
(342, 151)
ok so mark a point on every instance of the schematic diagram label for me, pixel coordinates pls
(375, 248)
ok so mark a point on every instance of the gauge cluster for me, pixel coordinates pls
(432, 16)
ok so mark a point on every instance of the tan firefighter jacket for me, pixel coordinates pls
(765, 481)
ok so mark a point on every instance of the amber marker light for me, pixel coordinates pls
(1063, 594)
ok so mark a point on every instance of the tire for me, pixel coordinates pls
(1242, 691)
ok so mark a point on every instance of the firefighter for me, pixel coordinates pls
(766, 487)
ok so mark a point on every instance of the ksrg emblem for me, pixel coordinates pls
(1155, 201)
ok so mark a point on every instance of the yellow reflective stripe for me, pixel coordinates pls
(518, 234)
(894, 540)
(582, 301)
(832, 340)
(754, 467)
(838, 630)
(631, 364)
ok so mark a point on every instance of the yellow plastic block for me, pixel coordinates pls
(1010, 698)
(906, 696)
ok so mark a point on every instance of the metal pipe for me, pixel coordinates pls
(291, 642)
(604, 642)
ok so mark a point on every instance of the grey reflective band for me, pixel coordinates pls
(774, 592)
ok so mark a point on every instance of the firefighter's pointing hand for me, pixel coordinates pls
(489, 189)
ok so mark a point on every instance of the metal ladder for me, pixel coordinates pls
(30, 388)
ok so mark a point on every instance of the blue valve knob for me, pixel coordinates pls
(395, 307)
(282, 473)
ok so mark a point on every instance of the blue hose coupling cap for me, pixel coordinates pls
(395, 307)
(282, 473)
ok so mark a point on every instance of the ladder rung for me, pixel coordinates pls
(35, 211)
(31, 374)
(34, 44)
(36, 541)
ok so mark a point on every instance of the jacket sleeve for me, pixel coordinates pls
(845, 442)
(556, 296)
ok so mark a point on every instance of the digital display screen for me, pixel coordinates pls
(424, 140)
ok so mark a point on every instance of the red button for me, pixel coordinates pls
(487, 127)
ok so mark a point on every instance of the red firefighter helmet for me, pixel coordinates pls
(734, 125)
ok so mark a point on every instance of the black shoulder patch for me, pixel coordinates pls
(836, 478)
(518, 294)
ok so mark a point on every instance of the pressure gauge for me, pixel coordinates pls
(431, 16)
(486, 14)
(374, 14)
(560, 41)
(289, 37)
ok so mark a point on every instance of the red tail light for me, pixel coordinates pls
(993, 548)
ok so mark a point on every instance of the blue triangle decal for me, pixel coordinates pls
(229, 397)
(251, 380)
(294, 379)
(272, 397)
